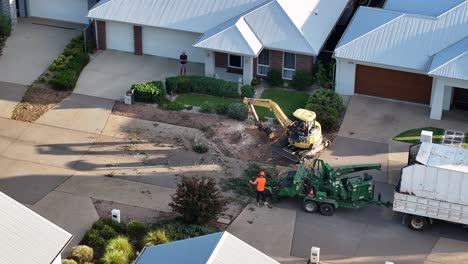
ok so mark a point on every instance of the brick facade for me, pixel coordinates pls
(138, 40)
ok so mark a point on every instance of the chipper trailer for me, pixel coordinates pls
(433, 186)
(324, 189)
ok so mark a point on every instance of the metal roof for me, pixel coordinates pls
(422, 7)
(443, 157)
(300, 26)
(218, 248)
(452, 62)
(188, 15)
(26, 237)
(406, 40)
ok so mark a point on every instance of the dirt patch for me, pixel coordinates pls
(235, 139)
(37, 100)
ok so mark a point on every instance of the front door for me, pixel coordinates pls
(460, 98)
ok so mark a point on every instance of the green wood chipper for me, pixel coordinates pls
(324, 189)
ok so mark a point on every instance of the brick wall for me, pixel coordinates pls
(303, 62)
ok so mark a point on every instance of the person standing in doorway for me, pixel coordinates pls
(260, 182)
(183, 63)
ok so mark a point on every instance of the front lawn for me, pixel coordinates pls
(414, 135)
(466, 141)
(199, 99)
(289, 101)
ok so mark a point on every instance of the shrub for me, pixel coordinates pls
(107, 232)
(172, 105)
(68, 261)
(274, 78)
(136, 230)
(114, 257)
(198, 200)
(94, 239)
(118, 227)
(302, 80)
(5, 26)
(177, 230)
(151, 92)
(327, 97)
(206, 107)
(200, 148)
(83, 253)
(325, 72)
(256, 81)
(247, 91)
(179, 84)
(202, 85)
(237, 111)
(122, 244)
(64, 80)
(154, 238)
(328, 117)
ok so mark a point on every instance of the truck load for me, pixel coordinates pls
(434, 185)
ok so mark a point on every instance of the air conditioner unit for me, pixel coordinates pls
(426, 136)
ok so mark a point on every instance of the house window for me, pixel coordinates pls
(235, 61)
(289, 65)
(263, 63)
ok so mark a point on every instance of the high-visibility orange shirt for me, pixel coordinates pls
(261, 182)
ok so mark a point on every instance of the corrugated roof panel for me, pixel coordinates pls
(314, 18)
(452, 62)
(26, 237)
(422, 7)
(275, 29)
(408, 41)
(187, 15)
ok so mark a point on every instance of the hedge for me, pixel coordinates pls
(302, 80)
(150, 92)
(328, 106)
(66, 69)
(202, 85)
(247, 91)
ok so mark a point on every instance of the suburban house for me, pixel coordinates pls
(218, 248)
(415, 51)
(26, 237)
(247, 37)
(64, 10)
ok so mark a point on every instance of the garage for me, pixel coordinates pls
(397, 85)
(170, 43)
(119, 36)
(63, 10)
(460, 98)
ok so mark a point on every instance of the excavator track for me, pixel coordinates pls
(294, 154)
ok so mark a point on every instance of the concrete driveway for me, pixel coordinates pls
(111, 73)
(32, 47)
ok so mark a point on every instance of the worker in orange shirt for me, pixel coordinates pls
(260, 182)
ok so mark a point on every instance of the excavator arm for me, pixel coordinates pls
(267, 103)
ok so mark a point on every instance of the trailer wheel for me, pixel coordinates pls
(327, 209)
(417, 223)
(310, 206)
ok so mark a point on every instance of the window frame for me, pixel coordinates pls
(289, 69)
(241, 61)
(260, 65)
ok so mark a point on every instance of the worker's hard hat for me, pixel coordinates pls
(262, 174)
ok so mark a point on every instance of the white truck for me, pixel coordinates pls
(434, 185)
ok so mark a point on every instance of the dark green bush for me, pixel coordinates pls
(325, 72)
(207, 107)
(177, 229)
(198, 200)
(247, 91)
(237, 111)
(202, 85)
(107, 232)
(302, 80)
(150, 92)
(200, 148)
(218, 108)
(327, 116)
(5, 26)
(179, 84)
(68, 66)
(256, 81)
(327, 97)
(64, 80)
(94, 239)
(136, 230)
(172, 105)
(118, 227)
(274, 78)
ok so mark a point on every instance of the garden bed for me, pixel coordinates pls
(37, 100)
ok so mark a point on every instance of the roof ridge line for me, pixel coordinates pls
(215, 250)
(295, 27)
(453, 8)
(373, 30)
(103, 4)
(447, 62)
(243, 37)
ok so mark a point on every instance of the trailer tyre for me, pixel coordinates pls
(327, 209)
(417, 223)
(310, 206)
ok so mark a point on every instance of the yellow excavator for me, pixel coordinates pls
(303, 134)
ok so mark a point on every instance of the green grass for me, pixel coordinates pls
(289, 101)
(199, 99)
(413, 135)
(466, 141)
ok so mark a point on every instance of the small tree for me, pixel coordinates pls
(122, 244)
(198, 200)
(154, 238)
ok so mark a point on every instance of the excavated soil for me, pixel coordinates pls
(235, 139)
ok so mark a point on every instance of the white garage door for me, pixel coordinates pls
(64, 10)
(170, 43)
(119, 36)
